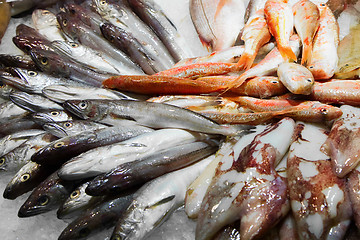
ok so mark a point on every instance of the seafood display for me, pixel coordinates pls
(241, 116)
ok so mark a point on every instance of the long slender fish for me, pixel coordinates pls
(155, 201)
(34, 103)
(137, 172)
(68, 128)
(65, 148)
(103, 159)
(163, 115)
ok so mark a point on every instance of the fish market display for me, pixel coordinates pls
(196, 119)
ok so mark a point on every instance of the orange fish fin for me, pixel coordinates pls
(287, 52)
(237, 82)
(306, 54)
(220, 5)
(246, 60)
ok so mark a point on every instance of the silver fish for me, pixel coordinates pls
(46, 24)
(9, 110)
(34, 103)
(51, 116)
(69, 128)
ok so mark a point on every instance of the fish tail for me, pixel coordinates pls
(306, 53)
(246, 60)
(287, 52)
(237, 82)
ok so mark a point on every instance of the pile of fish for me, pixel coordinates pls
(257, 140)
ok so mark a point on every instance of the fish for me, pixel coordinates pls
(255, 34)
(10, 111)
(63, 149)
(19, 156)
(61, 92)
(101, 217)
(20, 61)
(348, 52)
(69, 128)
(51, 116)
(306, 22)
(296, 78)
(218, 23)
(152, 14)
(34, 103)
(324, 58)
(103, 159)
(16, 125)
(353, 189)
(5, 12)
(252, 7)
(279, 18)
(249, 118)
(341, 144)
(155, 201)
(246, 186)
(48, 195)
(135, 173)
(46, 24)
(101, 110)
(319, 200)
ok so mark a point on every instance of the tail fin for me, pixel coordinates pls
(235, 83)
(286, 52)
(306, 53)
(246, 60)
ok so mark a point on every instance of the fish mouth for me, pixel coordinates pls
(42, 118)
(71, 106)
(52, 127)
(15, 78)
(29, 212)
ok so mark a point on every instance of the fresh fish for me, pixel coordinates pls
(246, 185)
(319, 201)
(337, 91)
(51, 116)
(252, 7)
(97, 219)
(126, 42)
(16, 125)
(102, 110)
(9, 111)
(14, 140)
(249, 118)
(61, 93)
(120, 14)
(218, 23)
(77, 202)
(69, 128)
(155, 201)
(59, 65)
(27, 38)
(5, 12)
(138, 172)
(279, 18)
(324, 58)
(65, 148)
(20, 61)
(46, 24)
(306, 23)
(19, 156)
(83, 34)
(255, 34)
(34, 103)
(348, 52)
(103, 159)
(48, 195)
(152, 14)
(296, 78)
(341, 144)
(26, 179)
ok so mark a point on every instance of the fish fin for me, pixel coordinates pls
(246, 60)
(306, 53)
(286, 52)
(237, 82)
(162, 201)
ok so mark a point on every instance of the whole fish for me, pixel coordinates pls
(255, 35)
(103, 159)
(163, 115)
(20, 61)
(296, 78)
(80, 32)
(140, 171)
(152, 14)
(249, 118)
(279, 18)
(19, 156)
(69, 128)
(218, 23)
(246, 185)
(155, 201)
(65, 148)
(341, 145)
(51, 116)
(77, 202)
(120, 14)
(48, 195)
(92, 221)
(319, 200)
(63, 92)
(46, 24)
(324, 58)
(306, 23)
(34, 103)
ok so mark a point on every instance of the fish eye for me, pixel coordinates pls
(322, 4)
(83, 105)
(2, 161)
(64, 22)
(346, 65)
(54, 113)
(75, 194)
(25, 177)
(43, 200)
(311, 67)
(68, 124)
(32, 73)
(323, 111)
(44, 61)
(274, 82)
(74, 45)
(59, 144)
(84, 232)
(309, 80)
(102, 2)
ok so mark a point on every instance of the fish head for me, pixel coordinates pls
(24, 100)
(101, 7)
(109, 31)
(85, 109)
(58, 129)
(76, 201)
(23, 43)
(51, 116)
(43, 18)
(49, 62)
(68, 24)
(23, 30)
(328, 112)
